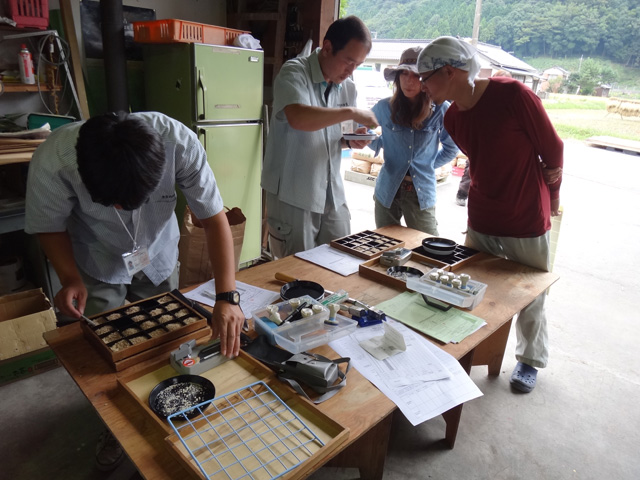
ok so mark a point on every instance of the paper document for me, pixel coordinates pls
(424, 381)
(451, 326)
(332, 259)
(251, 298)
(386, 345)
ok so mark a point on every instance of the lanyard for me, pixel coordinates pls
(135, 235)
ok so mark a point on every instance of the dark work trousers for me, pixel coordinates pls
(465, 183)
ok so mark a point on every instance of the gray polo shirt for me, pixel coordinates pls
(58, 201)
(303, 168)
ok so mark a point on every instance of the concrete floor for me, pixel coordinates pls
(581, 421)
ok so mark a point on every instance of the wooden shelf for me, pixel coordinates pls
(21, 87)
(11, 158)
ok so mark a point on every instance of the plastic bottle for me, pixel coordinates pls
(25, 60)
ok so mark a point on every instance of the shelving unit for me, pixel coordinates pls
(282, 26)
(22, 88)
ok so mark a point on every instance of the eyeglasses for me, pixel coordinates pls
(424, 79)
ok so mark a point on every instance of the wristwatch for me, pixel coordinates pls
(233, 297)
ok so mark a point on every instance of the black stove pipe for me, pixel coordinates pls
(115, 62)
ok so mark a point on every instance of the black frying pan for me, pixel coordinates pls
(297, 288)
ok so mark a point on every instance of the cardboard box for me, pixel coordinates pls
(368, 155)
(360, 166)
(24, 317)
(27, 365)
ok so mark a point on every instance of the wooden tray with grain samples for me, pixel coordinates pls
(366, 244)
(374, 271)
(141, 330)
(378, 273)
(461, 256)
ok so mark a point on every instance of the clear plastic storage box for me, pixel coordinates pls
(305, 334)
(467, 297)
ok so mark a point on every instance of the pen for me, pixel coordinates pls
(89, 321)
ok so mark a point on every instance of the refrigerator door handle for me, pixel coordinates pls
(202, 136)
(203, 88)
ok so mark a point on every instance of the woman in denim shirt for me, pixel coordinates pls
(412, 131)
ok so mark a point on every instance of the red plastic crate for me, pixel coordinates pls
(180, 31)
(29, 13)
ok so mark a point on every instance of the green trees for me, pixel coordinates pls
(608, 28)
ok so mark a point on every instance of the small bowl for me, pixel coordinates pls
(190, 390)
(402, 272)
(439, 246)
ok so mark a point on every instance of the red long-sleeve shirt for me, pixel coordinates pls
(505, 135)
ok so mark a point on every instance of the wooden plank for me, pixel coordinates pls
(615, 143)
(9, 158)
(76, 59)
(13, 88)
(34, 142)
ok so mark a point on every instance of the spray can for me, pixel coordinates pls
(25, 60)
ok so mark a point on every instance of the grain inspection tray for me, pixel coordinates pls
(366, 244)
(138, 331)
(238, 374)
(374, 271)
(461, 255)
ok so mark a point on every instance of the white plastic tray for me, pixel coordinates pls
(301, 335)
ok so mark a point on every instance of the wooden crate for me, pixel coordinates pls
(138, 331)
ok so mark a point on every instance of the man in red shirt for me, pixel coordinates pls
(515, 158)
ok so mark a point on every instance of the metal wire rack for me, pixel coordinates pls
(247, 434)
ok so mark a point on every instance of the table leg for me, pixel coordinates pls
(368, 453)
(452, 417)
(491, 351)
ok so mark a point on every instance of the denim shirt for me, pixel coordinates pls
(413, 152)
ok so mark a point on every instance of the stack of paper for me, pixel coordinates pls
(451, 326)
(424, 381)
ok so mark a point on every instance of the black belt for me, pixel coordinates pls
(406, 186)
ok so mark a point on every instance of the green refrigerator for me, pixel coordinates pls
(217, 91)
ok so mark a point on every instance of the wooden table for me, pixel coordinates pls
(360, 406)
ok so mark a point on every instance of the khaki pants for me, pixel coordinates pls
(406, 204)
(293, 230)
(531, 327)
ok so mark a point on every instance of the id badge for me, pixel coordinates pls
(136, 260)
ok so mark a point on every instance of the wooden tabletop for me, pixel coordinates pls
(511, 286)
(360, 406)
